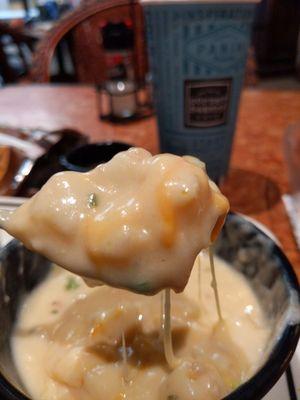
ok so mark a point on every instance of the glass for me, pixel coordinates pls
(291, 148)
(292, 157)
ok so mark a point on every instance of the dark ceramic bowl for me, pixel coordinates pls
(242, 244)
(86, 157)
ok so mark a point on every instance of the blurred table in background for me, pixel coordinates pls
(258, 174)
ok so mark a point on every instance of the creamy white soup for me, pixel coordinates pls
(136, 222)
(73, 342)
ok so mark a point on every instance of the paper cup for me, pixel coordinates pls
(198, 52)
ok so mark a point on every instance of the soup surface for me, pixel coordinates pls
(73, 342)
(136, 222)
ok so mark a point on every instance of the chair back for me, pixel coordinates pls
(82, 27)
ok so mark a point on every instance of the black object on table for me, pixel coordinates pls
(88, 156)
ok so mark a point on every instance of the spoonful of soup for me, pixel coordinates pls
(136, 222)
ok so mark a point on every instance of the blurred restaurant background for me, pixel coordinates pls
(76, 88)
(274, 57)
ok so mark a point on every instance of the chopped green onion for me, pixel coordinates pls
(71, 283)
(54, 311)
(92, 200)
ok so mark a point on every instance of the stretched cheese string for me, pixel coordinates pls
(162, 300)
(199, 279)
(167, 331)
(214, 282)
(124, 359)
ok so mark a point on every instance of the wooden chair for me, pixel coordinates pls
(83, 28)
(14, 38)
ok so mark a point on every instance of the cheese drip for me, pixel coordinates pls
(214, 283)
(167, 331)
(166, 310)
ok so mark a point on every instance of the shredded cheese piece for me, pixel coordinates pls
(199, 277)
(168, 218)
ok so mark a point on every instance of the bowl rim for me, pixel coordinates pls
(278, 360)
(274, 366)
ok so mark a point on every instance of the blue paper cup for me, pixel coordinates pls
(198, 52)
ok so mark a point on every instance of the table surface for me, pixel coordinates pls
(258, 173)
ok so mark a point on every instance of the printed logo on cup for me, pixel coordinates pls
(206, 103)
(220, 49)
